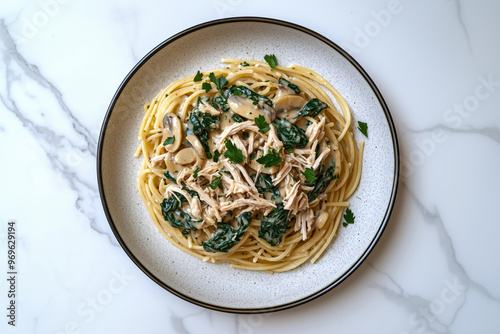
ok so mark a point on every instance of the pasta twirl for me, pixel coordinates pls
(249, 165)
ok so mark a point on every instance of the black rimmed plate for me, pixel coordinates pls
(217, 286)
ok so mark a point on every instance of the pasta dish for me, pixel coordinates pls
(251, 164)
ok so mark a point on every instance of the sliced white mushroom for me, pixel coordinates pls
(287, 106)
(172, 166)
(172, 128)
(283, 90)
(197, 146)
(322, 218)
(245, 107)
(185, 156)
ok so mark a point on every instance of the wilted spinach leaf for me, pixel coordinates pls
(312, 108)
(323, 178)
(226, 237)
(290, 134)
(177, 217)
(274, 225)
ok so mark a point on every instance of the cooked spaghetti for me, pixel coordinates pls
(249, 164)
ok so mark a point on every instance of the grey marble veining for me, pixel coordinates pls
(436, 270)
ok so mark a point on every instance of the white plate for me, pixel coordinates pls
(217, 286)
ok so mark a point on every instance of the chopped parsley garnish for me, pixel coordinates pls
(216, 155)
(253, 155)
(262, 124)
(170, 176)
(219, 82)
(309, 175)
(245, 64)
(169, 141)
(349, 217)
(195, 175)
(272, 158)
(271, 60)
(198, 76)
(233, 153)
(363, 127)
(206, 86)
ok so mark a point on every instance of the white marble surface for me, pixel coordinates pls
(436, 268)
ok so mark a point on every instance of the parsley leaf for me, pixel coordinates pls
(245, 64)
(195, 175)
(169, 141)
(232, 153)
(216, 155)
(206, 86)
(198, 77)
(262, 124)
(272, 158)
(349, 217)
(363, 127)
(170, 176)
(271, 60)
(309, 174)
(219, 82)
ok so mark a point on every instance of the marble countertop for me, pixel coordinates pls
(436, 268)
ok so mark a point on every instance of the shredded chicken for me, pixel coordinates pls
(206, 107)
(304, 221)
(295, 200)
(222, 187)
(155, 161)
(234, 129)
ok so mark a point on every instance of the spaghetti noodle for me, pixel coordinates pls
(249, 164)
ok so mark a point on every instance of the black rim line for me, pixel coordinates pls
(344, 54)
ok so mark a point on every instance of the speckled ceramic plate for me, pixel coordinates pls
(217, 286)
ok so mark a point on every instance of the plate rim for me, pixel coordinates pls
(346, 56)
